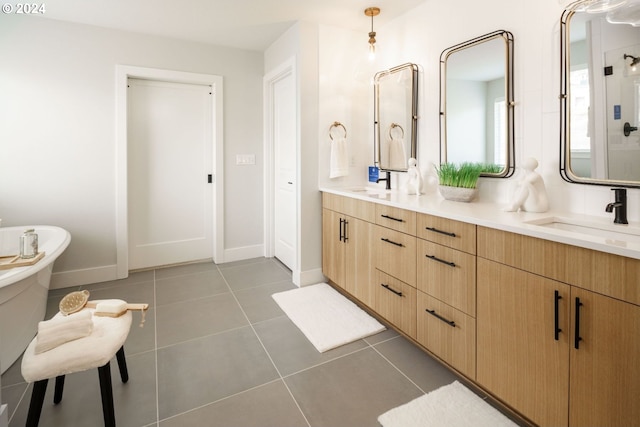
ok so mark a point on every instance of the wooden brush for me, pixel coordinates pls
(114, 307)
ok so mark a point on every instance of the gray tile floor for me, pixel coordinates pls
(216, 350)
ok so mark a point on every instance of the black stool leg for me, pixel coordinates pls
(107, 395)
(122, 365)
(57, 396)
(37, 399)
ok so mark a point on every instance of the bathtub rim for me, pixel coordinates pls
(18, 273)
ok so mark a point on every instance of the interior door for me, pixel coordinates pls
(284, 139)
(170, 156)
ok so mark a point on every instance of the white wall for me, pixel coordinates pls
(57, 133)
(301, 43)
(420, 36)
(57, 116)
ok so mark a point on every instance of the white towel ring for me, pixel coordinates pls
(335, 125)
(393, 126)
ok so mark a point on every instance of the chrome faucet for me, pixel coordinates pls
(387, 179)
(620, 206)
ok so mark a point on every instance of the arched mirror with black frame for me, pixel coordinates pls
(600, 93)
(476, 104)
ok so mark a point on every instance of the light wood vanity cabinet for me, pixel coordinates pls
(504, 309)
(347, 233)
(446, 282)
(559, 353)
(394, 294)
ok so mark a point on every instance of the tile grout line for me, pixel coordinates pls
(155, 341)
(265, 349)
(394, 366)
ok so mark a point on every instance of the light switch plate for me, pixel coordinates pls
(245, 159)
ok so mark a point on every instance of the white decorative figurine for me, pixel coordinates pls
(414, 183)
(530, 194)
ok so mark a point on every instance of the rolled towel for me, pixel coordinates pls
(339, 161)
(61, 329)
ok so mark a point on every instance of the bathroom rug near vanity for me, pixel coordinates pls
(325, 317)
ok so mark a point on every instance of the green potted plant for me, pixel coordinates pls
(458, 182)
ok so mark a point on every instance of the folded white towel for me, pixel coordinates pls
(339, 158)
(59, 330)
(397, 155)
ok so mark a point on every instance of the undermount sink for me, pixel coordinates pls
(592, 227)
(369, 191)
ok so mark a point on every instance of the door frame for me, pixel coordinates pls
(123, 73)
(286, 69)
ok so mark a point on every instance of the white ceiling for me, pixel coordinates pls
(245, 24)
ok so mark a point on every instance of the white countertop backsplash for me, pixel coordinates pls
(493, 215)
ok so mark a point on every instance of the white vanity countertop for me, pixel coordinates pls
(492, 215)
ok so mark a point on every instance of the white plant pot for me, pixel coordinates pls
(458, 194)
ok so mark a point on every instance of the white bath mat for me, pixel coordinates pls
(325, 317)
(453, 405)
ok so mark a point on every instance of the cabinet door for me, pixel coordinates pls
(333, 248)
(605, 372)
(358, 259)
(519, 358)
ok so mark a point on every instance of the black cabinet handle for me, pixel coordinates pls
(556, 300)
(446, 233)
(436, 315)
(577, 337)
(345, 236)
(384, 239)
(343, 230)
(387, 287)
(392, 218)
(435, 258)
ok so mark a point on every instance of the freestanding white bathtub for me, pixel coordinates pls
(24, 290)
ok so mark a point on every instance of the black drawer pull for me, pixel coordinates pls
(557, 330)
(577, 338)
(392, 218)
(384, 239)
(448, 322)
(435, 258)
(446, 233)
(387, 287)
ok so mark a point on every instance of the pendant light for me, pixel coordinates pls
(372, 11)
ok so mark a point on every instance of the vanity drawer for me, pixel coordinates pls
(395, 254)
(396, 302)
(349, 206)
(448, 232)
(448, 333)
(608, 274)
(448, 275)
(396, 219)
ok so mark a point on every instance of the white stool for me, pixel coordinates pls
(93, 351)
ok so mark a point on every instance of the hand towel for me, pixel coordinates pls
(59, 330)
(339, 158)
(397, 154)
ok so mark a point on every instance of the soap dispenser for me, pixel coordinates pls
(29, 244)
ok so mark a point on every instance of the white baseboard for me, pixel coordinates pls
(72, 278)
(242, 253)
(308, 277)
(4, 416)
